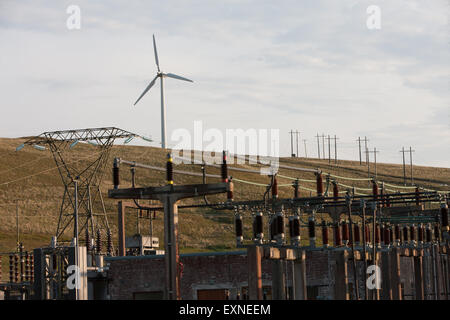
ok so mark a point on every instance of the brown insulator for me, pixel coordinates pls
(224, 167)
(230, 192)
(375, 190)
(280, 224)
(412, 233)
(345, 232)
(11, 268)
(319, 182)
(428, 234)
(444, 217)
(367, 233)
(335, 191)
(238, 225)
(296, 185)
(382, 233)
(405, 234)
(388, 202)
(27, 267)
(109, 242)
(258, 226)
(325, 240)
(16, 268)
(116, 180)
(437, 233)
(387, 236)
(98, 247)
(396, 233)
(32, 267)
(356, 234)
(169, 169)
(383, 199)
(275, 188)
(337, 235)
(417, 196)
(311, 228)
(377, 234)
(420, 233)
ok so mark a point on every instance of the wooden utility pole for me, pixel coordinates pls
(365, 148)
(404, 167)
(375, 161)
(297, 134)
(292, 145)
(411, 163)
(335, 149)
(359, 145)
(323, 144)
(329, 149)
(17, 224)
(306, 152)
(318, 146)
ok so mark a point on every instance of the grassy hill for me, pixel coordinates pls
(30, 183)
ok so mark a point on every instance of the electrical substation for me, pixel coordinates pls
(383, 244)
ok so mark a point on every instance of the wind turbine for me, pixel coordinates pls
(161, 75)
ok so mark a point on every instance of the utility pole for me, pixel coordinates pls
(17, 224)
(375, 160)
(318, 146)
(306, 152)
(75, 231)
(292, 146)
(335, 149)
(323, 144)
(297, 135)
(404, 167)
(365, 148)
(329, 149)
(410, 162)
(359, 144)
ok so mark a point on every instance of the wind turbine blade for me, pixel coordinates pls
(156, 53)
(171, 75)
(146, 89)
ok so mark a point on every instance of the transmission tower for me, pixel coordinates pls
(87, 171)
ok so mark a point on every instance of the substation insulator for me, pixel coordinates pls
(87, 240)
(230, 192)
(367, 233)
(311, 228)
(417, 196)
(428, 234)
(224, 167)
(337, 235)
(275, 188)
(345, 233)
(238, 228)
(335, 191)
(272, 226)
(258, 233)
(32, 267)
(27, 267)
(319, 182)
(116, 180)
(383, 199)
(294, 229)
(387, 236)
(357, 234)
(109, 242)
(375, 190)
(325, 239)
(405, 234)
(377, 234)
(397, 233)
(421, 233)
(11, 268)
(412, 233)
(279, 218)
(16, 268)
(444, 217)
(388, 202)
(296, 185)
(382, 233)
(437, 234)
(169, 169)
(98, 244)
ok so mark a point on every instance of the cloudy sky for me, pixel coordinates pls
(308, 65)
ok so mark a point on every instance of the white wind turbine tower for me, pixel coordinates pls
(161, 75)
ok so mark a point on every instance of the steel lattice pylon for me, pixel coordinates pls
(88, 175)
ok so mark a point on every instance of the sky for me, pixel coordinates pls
(312, 66)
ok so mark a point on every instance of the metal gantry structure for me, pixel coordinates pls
(87, 172)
